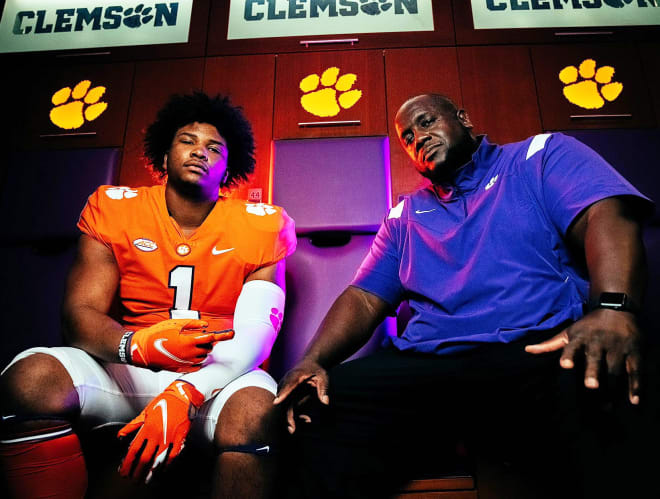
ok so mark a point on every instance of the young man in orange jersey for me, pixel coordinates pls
(200, 278)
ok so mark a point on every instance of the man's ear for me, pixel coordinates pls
(165, 162)
(463, 117)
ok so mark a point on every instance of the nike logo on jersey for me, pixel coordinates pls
(162, 404)
(220, 252)
(264, 450)
(425, 211)
(491, 182)
(158, 344)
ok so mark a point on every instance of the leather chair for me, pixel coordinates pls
(338, 192)
(42, 195)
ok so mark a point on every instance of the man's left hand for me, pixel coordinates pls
(163, 426)
(612, 333)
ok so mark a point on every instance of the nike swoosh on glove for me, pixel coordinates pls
(179, 345)
(163, 426)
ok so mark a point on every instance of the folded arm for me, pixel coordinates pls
(257, 319)
(91, 288)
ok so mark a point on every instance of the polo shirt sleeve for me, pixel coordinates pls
(574, 176)
(378, 273)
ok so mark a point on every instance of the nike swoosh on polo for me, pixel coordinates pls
(158, 344)
(162, 403)
(425, 211)
(265, 449)
(491, 182)
(220, 252)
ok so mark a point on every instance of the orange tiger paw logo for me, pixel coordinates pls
(74, 107)
(595, 85)
(335, 94)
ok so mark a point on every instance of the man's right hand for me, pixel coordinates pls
(294, 390)
(179, 345)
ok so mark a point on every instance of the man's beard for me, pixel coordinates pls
(456, 158)
(189, 190)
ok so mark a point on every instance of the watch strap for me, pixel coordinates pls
(616, 301)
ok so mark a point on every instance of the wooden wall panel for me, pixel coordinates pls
(18, 92)
(498, 91)
(631, 109)
(105, 130)
(154, 82)
(410, 72)
(650, 55)
(369, 110)
(249, 81)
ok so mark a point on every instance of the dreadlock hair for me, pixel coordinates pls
(181, 110)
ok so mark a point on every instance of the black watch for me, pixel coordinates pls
(616, 301)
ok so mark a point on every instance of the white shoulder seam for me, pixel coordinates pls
(397, 210)
(537, 143)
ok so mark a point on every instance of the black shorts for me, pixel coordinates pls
(394, 415)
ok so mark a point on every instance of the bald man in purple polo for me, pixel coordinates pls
(524, 269)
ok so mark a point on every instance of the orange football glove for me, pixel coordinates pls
(179, 345)
(163, 426)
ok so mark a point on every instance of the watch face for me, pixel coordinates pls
(612, 300)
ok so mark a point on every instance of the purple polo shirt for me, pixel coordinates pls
(489, 264)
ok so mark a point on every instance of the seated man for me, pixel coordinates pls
(200, 278)
(517, 261)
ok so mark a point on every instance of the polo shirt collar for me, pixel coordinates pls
(470, 175)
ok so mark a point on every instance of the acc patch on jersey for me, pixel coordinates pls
(145, 245)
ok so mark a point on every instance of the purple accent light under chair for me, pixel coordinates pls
(338, 191)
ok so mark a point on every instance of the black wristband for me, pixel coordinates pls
(124, 351)
(616, 301)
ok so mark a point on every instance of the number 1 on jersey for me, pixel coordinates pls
(181, 279)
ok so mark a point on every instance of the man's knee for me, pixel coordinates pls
(248, 418)
(38, 385)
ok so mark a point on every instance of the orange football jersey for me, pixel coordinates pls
(164, 274)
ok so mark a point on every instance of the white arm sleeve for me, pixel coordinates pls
(257, 320)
